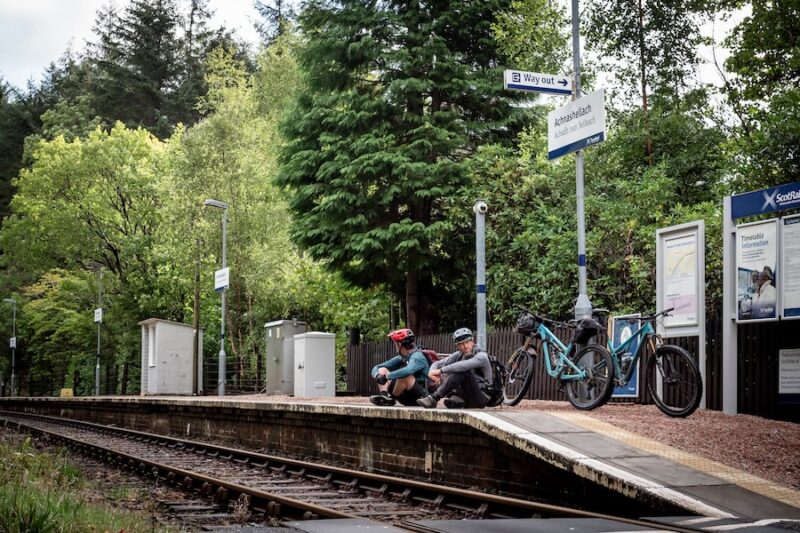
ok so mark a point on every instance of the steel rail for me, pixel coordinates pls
(478, 504)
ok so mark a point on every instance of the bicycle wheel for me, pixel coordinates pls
(520, 374)
(681, 382)
(595, 388)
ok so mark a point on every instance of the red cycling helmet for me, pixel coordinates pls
(404, 336)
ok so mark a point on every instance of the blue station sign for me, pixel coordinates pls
(765, 201)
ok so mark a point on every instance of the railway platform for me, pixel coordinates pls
(595, 460)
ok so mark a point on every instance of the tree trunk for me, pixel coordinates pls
(419, 303)
(412, 303)
(124, 387)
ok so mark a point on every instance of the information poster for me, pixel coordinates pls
(680, 280)
(622, 328)
(790, 267)
(756, 267)
(789, 375)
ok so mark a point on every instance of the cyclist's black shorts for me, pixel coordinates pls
(410, 397)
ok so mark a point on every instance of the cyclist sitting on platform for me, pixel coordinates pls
(401, 378)
(462, 375)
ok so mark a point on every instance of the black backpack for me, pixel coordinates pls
(494, 390)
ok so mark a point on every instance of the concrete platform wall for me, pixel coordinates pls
(434, 446)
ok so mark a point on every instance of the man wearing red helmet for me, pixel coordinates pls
(403, 377)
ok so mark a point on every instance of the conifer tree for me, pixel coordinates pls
(399, 94)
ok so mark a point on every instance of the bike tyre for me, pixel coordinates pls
(693, 378)
(604, 386)
(512, 396)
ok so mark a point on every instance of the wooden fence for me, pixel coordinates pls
(757, 365)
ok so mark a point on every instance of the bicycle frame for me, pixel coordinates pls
(557, 371)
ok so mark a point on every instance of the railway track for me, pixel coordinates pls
(278, 487)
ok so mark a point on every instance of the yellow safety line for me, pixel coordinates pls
(770, 489)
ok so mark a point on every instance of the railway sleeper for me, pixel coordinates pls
(404, 496)
(380, 491)
(221, 495)
(321, 479)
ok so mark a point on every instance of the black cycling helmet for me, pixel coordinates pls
(404, 336)
(461, 335)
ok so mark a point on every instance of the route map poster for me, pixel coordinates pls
(756, 276)
(680, 280)
(790, 267)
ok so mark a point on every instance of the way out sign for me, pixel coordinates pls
(520, 80)
(577, 125)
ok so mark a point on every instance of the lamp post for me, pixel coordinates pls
(583, 306)
(222, 371)
(13, 342)
(98, 317)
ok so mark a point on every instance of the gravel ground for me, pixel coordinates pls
(769, 449)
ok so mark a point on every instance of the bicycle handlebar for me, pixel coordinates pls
(572, 324)
(665, 313)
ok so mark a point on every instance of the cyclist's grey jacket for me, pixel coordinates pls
(477, 362)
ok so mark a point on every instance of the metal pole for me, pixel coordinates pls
(97, 363)
(480, 209)
(14, 349)
(222, 366)
(730, 348)
(583, 306)
(222, 356)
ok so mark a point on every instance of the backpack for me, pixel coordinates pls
(431, 355)
(495, 390)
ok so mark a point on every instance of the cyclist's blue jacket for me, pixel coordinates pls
(416, 364)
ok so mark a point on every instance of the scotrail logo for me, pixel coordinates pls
(775, 201)
(769, 200)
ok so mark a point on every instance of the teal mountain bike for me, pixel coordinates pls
(671, 373)
(586, 372)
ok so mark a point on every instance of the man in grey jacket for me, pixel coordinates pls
(461, 375)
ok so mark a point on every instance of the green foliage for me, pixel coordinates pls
(764, 94)
(652, 45)
(397, 96)
(351, 156)
(765, 54)
(59, 328)
(531, 235)
(532, 34)
(42, 493)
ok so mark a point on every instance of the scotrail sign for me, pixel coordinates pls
(766, 200)
(577, 125)
(536, 82)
